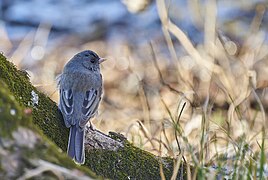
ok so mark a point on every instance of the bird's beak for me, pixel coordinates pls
(101, 60)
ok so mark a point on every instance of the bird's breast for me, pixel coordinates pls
(81, 81)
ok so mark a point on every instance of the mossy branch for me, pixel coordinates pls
(109, 156)
(25, 153)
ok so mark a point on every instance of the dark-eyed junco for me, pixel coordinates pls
(80, 87)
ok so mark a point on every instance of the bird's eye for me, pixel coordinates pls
(92, 60)
(95, 55)
(86, 55)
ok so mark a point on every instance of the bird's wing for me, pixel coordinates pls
(90, 105)
(66, 105)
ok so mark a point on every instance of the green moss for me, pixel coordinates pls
(129, 163)
(51, 153)
(46, 114)
(10, 112)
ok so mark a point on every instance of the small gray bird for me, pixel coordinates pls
(80, 87)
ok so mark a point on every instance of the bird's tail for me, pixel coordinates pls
(76, 145)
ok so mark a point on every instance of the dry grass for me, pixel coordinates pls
(207, 105)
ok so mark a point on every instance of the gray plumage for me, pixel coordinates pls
(80, 87)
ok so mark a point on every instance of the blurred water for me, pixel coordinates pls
(69, 16)
(110, 19)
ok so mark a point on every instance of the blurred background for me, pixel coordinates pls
(211, 56)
